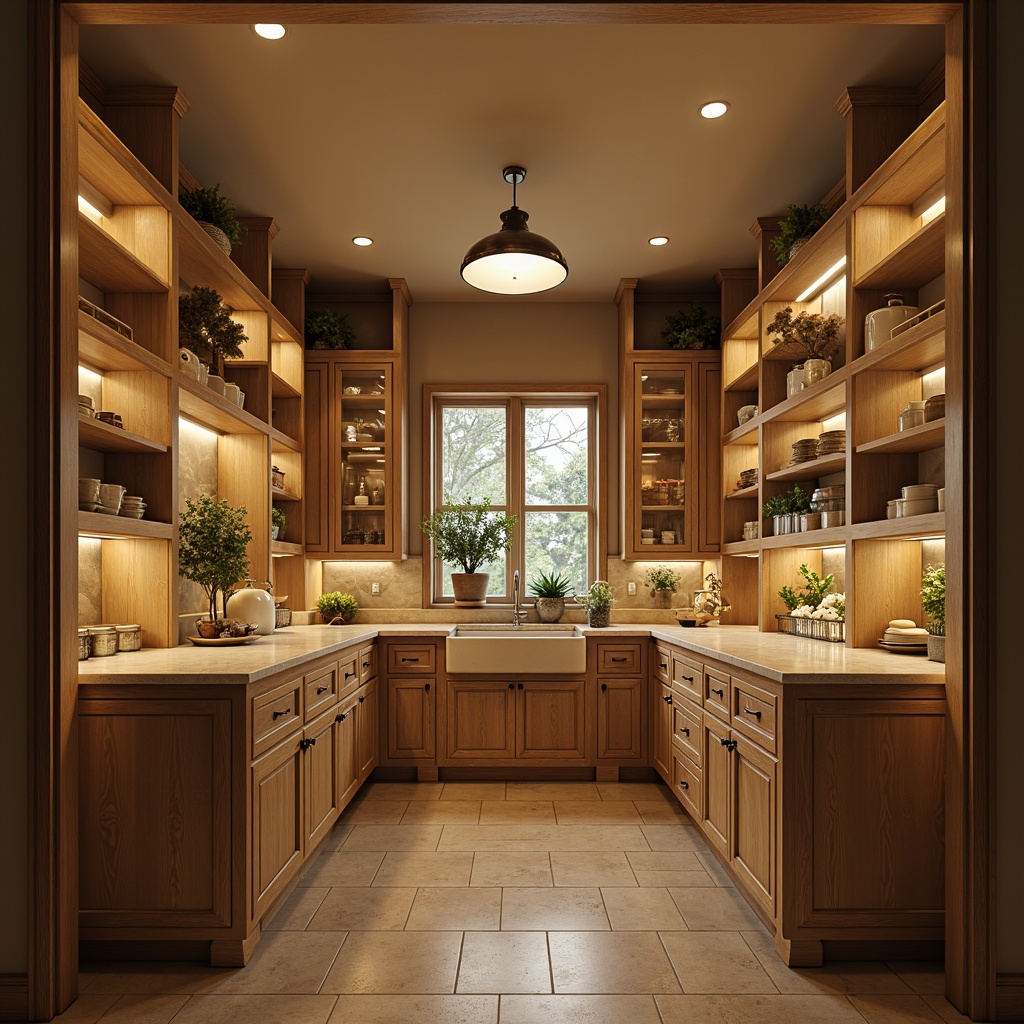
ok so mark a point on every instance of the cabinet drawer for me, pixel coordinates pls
(688, 677)
(662, 668)
(754, 713)
(348, 672)
(716, 694)
(687, 785)
(367, 663)
(275, 714)
(618, 659)
(686, 729)
(418, 658)
(321, 690)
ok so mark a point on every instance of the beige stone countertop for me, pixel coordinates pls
(785, 659)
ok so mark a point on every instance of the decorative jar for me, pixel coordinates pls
(795, 381)
(879, 324)
(129, 637)
(104, 641)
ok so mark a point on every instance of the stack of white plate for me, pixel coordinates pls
(133, 507)
(906, 636)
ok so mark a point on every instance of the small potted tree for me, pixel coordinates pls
(469, 534)
(206, 328)
(663, 581)
(799, 224)
(214, 213)
(212, 539)
(326, 329)
(278, 521)
(550, 590)
(695, 329)
(933, 601)
(336, 608)
(812, 333)
(598, 601)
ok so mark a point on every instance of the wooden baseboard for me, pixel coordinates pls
(14, 997)
(884, 949)
(1009, 997)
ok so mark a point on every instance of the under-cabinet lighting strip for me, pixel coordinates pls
(825, 278)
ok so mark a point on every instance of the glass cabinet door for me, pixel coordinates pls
(366, 450)
(660, 472)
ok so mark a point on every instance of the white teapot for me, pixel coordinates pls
(254, 605)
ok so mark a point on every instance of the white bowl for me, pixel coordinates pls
(920, 490)
(917, 506)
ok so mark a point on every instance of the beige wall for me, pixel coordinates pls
(14, 429)
(1006, 336)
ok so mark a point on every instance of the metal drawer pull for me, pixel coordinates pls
(366, 664)
(281, 714)
(620, 659)
(751, 711)
(684, 730)
(361, 699)
(409, 659)
(321, 689)
(689, 679)
(511, 686)
(604, 687)
(667, 700)
(340, 717)
(350, 675)
(683, 784)
(663, 666)
(729, 745)
(427, 687)
(719, 692)
(306, 744)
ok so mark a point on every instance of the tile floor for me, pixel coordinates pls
(513, 903)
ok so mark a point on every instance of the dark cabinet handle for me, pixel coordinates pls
(720, 693)
(663, 666)
(620, 659)
(511, 686)
(350, 675)
(751, 711)
(321, 689)
(604, 687)
(427, 687)
(361, 699)
(667, 700)
(689, 679)
(683, 784)
(520, 685)
(306, 744)
(366, 664)
(281, 714)
(684, 730)
(340, 717)
(729, 745)
(409, 659)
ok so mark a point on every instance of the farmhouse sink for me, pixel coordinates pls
(495, 649)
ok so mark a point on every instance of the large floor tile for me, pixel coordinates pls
(522, 869)
(593, 812)
(405, 868)
(669, 860)
(672, 837)
(504, 962)
(161, 978)
(568, 1009)
(297, 911)
(656, 791)
(343, 867)
(363, 910)
(415, 1009)
(376, 812)
(921, 976)
(545, 909)
(512, 812)
(393, 837)
(473, 791)
(542, 837)
(710, 864)
(401, 791)
(715, 909)
(894, 1008)
(145, 1009)
(716, 962)
(89, 1007)
(245, 1009)
(412, 963)
(450, 909)
(945, 1009)
(641, 910)
(584, 869)
(654, 812)
(551, 791)
(285, 963)
(441, 812)
(757, 1009)
(613, 963)
(337, 836)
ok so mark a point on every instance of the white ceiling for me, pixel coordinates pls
(400, 132)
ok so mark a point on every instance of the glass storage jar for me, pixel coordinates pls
(912, 415)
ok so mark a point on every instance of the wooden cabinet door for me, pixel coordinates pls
(551, 720)
(322, 805)
(278, 826)
(661, 731)
(480, 720)
(752, 843)
(410, 724)
(367, 730)
(347, 766)
(709, 467)
(316, 486)
(619, 719)
(717, 788)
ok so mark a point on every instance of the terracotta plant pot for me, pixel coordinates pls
(470, 589)
(550, 609)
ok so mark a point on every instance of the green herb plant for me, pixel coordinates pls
(335, 605)
(206, 328)
(212, 539)
(210, 207)
(933, 594)
(695, 329)
(662, 577)
(279, 520)
(797, 226)
(326, 329)
(555, 585)
(812, 593)
(600, 595)
(468, 533)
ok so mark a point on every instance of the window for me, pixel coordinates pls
(531, 453)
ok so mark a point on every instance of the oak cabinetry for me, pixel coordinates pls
(408, 705)
(620, 725)
(366, 729)
(661, 730)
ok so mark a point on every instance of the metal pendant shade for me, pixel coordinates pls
(514, 260)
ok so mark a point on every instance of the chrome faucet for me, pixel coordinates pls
(517, 611)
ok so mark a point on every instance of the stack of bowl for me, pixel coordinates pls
(113, 418)
(85, 406)
(917, 500)
(88, 494)
(110, 499)
(133, 507)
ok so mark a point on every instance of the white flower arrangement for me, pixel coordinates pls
(832, 608)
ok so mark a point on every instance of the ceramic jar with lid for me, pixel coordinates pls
(795, 381)
(251, 604)
(84, 644)
(879, 324)
(934, 408)
(912, 415)
(104, 640)
(129, 637)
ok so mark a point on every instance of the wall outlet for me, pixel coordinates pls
(374, 588)
(631, 589)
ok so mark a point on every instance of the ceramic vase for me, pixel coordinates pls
(815, 370)
(470, 589)
(936, 648)
(550, 609)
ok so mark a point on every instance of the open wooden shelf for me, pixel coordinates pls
(822, 466)
(918, 348)
(103, 437)
(96, 524)
(924, 438)
(743, 435)
(743, 492)
(109, 266)
(931, 524)
(821, 400)
(920, 259)
(741, 547)
(746, 381)
(280, 494)
(832, 537)
(103, 349)
(214, 411)
(283, 548)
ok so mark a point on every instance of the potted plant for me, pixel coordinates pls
(694, 329)
(663, 581)
(598, 601)
(336, 608)
(773, 509)
(933, 601)
(813, 333)
(278, 521)
(215, 214)
(810, 595)
(796, 227)
(708, 604)
(212, 539)
(469, 534)
(205, 327)
(550, 591)
(326, 329)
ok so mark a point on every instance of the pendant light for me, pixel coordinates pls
(514, 260)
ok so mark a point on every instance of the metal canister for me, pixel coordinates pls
(84, 644)
(129, 637)
(104, 640)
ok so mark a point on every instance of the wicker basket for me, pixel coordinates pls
(816, 629)
(219, 237)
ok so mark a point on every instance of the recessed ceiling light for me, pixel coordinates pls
(362, 240)
(269, 31)
(714, 109)
(658, 240)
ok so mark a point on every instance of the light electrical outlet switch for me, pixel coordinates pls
(631, 589)
(374, 588)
